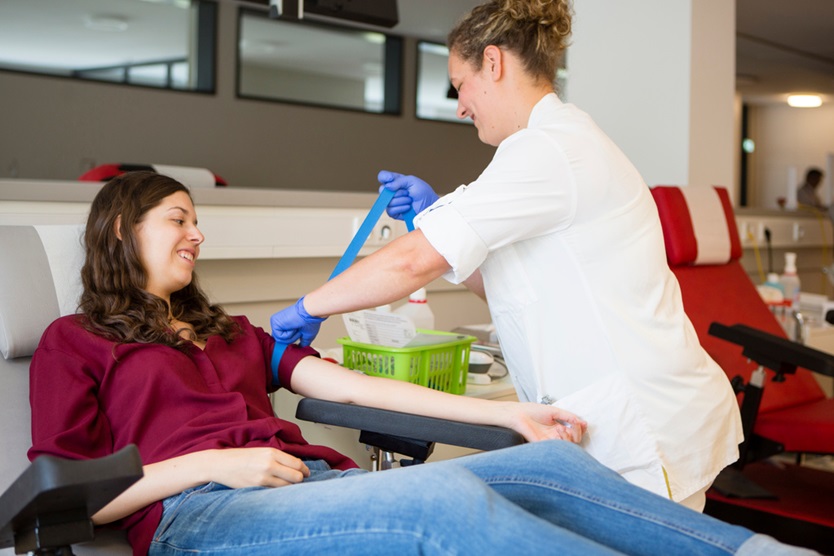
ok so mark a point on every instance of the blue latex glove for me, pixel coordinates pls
(411, 192)
(295, 323)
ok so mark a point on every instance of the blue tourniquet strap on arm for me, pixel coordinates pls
(277, 354)
(349, 256)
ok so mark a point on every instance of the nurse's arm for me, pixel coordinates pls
(395, 271)
(475, 283)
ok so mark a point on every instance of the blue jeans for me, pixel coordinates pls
(544, 497)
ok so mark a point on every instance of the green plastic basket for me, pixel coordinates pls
(440, 366)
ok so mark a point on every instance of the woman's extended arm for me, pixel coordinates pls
(319, 379)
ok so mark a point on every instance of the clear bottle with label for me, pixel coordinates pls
(790, 280)
(418, 310)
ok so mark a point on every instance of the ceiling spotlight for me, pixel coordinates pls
(804, 101)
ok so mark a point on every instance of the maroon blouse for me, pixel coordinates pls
(91, 397)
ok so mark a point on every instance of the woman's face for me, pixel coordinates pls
(169, 244)
(475, 98)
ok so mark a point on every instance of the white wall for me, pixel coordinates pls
(787, 138)
(658, 77)
(713, 146)
(621, 87)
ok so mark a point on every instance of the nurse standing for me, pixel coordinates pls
(561, 236)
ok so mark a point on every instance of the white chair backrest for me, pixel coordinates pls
(39, 281)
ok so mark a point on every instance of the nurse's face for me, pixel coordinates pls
(475, 98)
(169, 244)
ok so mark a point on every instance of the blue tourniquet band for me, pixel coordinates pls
(349, 256)
(277, 354)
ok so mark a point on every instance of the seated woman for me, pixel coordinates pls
(149, 361)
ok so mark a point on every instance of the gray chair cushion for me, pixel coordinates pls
(15, 418)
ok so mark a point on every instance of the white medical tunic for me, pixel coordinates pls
(589, 316)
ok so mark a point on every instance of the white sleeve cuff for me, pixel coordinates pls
(452, 237)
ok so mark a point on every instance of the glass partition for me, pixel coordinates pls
(165, 44)
(436, 98)
(313, 63)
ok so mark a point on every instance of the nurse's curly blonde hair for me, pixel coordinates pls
(536, 31)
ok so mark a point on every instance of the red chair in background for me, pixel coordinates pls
(783, 407)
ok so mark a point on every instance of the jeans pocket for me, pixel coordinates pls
(171, 505)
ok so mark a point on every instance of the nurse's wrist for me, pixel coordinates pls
(301, 306)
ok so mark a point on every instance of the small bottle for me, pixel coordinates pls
(772, 291)
(790, 281)
(773, 282)
(418, 310)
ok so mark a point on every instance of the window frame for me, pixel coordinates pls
(393, 64)
(418, 71)
(207, 22)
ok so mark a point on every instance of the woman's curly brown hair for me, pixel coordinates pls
(114, 300)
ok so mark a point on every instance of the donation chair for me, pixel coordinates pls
(783, 407)
(40, 281)
(45, 506)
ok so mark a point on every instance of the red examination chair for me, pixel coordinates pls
(783, 407)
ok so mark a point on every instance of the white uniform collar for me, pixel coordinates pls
(546, 105)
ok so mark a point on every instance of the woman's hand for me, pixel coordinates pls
(535, 421)
(233, 467)
(246, 467)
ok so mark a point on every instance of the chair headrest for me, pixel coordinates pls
(189, 176)
(699, 227)
(41, 281)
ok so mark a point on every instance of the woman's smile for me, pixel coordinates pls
(169, 229)
(188, 255)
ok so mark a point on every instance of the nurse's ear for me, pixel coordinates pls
(117, 227)
(494, 62)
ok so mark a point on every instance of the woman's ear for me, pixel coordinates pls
(494, 62)
(117, 227)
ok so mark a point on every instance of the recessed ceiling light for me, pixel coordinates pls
(176, 3)
(263, 46)
(374, 38)
(433, 48)
(109, 23)
(804, 101)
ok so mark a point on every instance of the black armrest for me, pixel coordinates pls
(778, 354)
(51, 503)
(394, 423)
